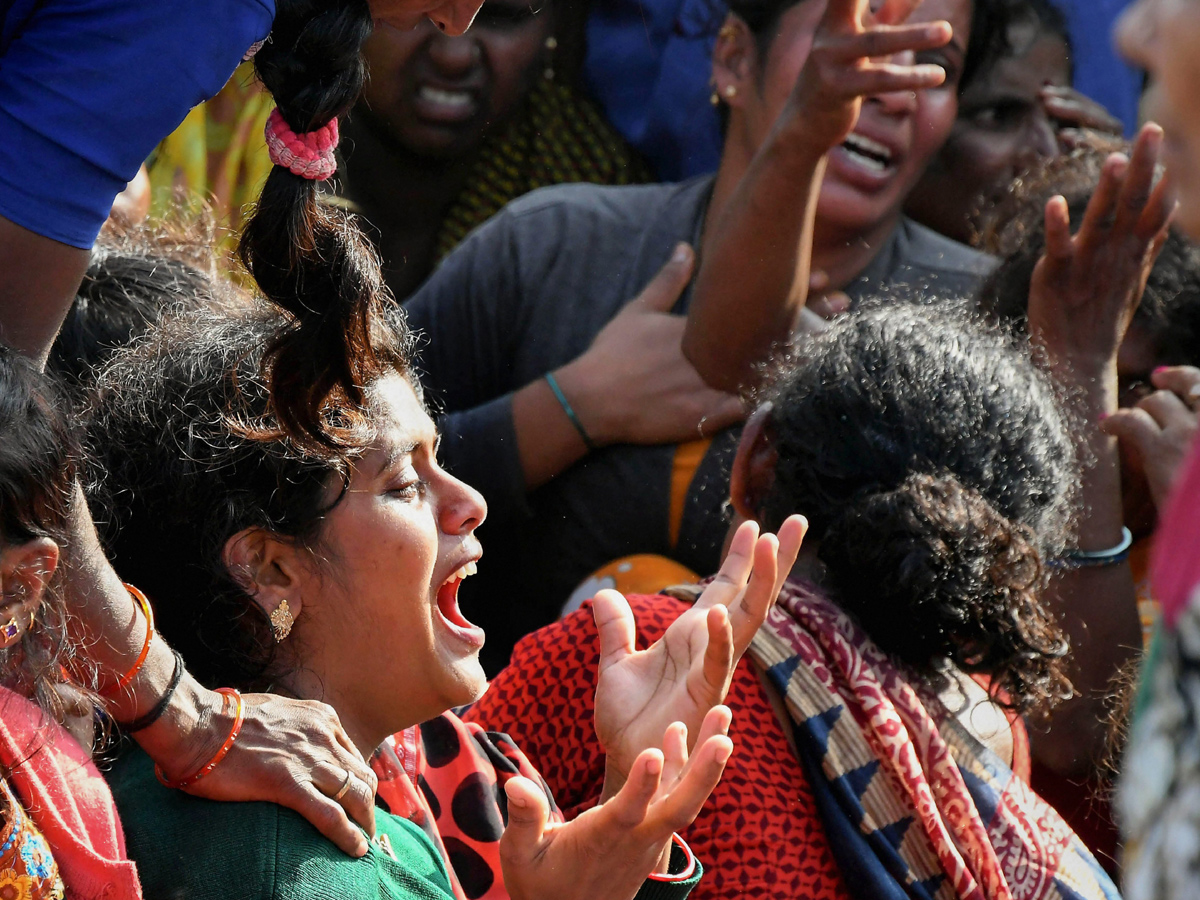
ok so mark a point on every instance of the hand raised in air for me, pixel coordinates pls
(687, 671)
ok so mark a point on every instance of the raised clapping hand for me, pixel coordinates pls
(686, 672)
(1086, 286)
(1160, 428)
(659, 696)
(608, 852)
(851, 59)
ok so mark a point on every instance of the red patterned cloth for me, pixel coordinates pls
(760, 834)
(461, 771)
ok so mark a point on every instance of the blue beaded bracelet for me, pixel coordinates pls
(1089, 559)
(565, 404)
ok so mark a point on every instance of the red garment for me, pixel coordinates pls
(1175, 569)
(461, 805)
(759, 835)
(69, 801)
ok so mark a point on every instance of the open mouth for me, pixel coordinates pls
(448, 99)
(451, 615)
(867, 153)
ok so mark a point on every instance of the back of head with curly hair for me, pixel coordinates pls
(936, 469)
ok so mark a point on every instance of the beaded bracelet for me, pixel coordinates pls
(566, 406)
(141, 723)
(1090, 559)
(128, 677)
(228, 693)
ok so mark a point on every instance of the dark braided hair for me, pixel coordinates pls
(309, 258)
(936, 471)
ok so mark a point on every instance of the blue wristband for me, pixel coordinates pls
(1088, 559)
(566, 406)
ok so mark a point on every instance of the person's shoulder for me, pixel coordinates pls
(204, 849)
(927, 249)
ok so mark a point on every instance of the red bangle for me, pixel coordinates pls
(128, 677)
(220, 754)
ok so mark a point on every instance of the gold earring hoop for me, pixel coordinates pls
(551, 45)
(282, 621)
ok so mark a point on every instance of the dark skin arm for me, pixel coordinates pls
(754, 276)
(40, 279)
(1082, 298)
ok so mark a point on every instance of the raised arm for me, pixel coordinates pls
(754, 274)
(1082, 298)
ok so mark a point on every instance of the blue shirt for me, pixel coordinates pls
(89, 87)
(649, 64)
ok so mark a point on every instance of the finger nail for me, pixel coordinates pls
(654, 765)
(681, 253)
(1160, 370)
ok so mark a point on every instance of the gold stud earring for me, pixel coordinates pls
(730, 91)
(282, 621)
(728, 30)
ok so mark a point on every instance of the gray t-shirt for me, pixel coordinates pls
(525, 294)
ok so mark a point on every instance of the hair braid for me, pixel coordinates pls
(308, 258)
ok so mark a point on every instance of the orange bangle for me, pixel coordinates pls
(128, 677)
(220, 754)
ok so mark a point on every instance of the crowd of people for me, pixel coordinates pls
(820, 376)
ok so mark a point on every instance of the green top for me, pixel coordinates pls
(197, 849)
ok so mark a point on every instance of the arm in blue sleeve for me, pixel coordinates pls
(89, 87)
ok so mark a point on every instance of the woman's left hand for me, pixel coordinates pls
(609, 851)
(1076, 114)
(1086, 287)
(688, 670)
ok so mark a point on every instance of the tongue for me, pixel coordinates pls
(447, 600)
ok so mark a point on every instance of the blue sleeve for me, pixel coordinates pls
(1100, 73)
(648, 65)
(89, 87)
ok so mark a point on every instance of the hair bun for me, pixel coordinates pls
(936, 552)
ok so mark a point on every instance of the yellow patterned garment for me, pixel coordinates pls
(218, 156)
(559, 137)
(27, 867)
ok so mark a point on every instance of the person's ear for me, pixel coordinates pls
(753, 473)
(269, 569)
(735, 63)
(25, 573)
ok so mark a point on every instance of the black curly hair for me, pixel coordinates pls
(186, 452)
(37, 478)
(936, 470)
(1014, 230)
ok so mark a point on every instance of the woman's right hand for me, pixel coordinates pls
(851, 59)
(1161, 428)
(634, 385)
(609, 851)
(290, 752)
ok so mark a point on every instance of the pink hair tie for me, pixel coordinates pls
(309, 155)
